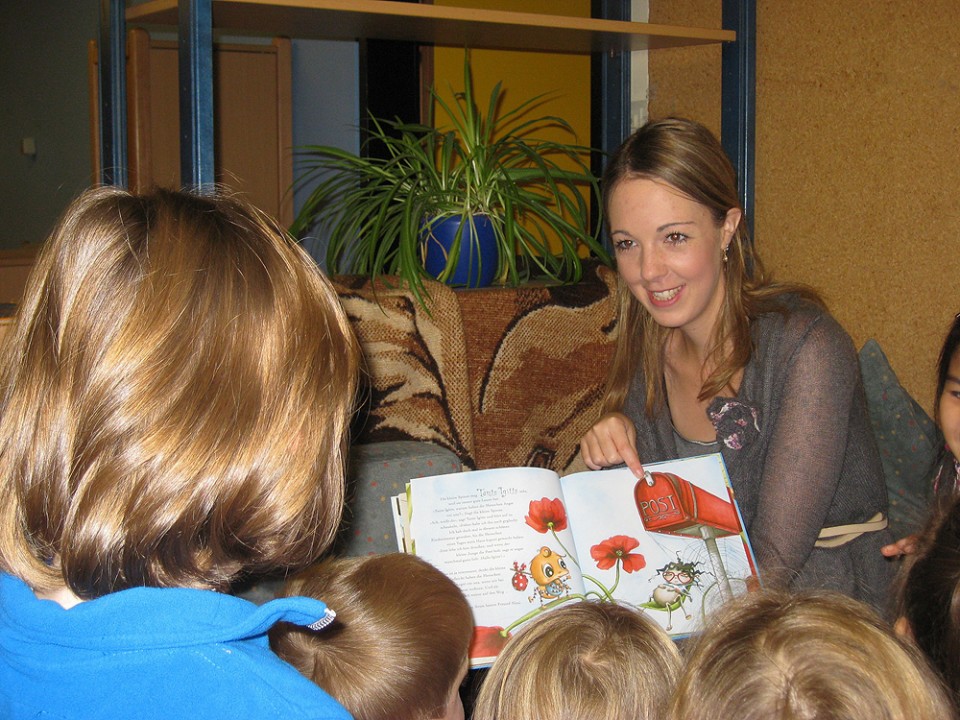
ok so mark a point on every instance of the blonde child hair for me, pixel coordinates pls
(175, 399)
(770, 655)
(583, 661)
(398, 647)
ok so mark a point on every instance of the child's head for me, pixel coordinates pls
(175, 399)
(929, 596)
(769, 656)
(947, 401)
(582, 661)
(398, 647)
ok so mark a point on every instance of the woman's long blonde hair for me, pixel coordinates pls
(685, 155)
(174, 399)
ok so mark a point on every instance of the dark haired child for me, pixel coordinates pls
(946, 410)
(398, 647)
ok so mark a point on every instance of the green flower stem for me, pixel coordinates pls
(557, 538)
(616, 581)
(607, 593)
(542, 608)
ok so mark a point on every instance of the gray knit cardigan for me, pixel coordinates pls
(800, 452)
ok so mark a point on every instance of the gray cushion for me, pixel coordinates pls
(907, 437)
(376, 473)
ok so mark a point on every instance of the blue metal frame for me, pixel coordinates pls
(738, 92)
(738, 127)
(112, 64)
(196, 94)
(610, 85)
(610, 97)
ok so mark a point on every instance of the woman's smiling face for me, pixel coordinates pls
(670, 253)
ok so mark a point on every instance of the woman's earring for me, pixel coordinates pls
(726, 248)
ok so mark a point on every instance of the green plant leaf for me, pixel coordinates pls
(537, 193)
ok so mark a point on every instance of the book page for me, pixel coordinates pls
(693, 556)
(495, 533)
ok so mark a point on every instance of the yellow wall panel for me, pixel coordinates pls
(565, 78)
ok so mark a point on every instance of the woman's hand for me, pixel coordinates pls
(611, 441)
(903, 546)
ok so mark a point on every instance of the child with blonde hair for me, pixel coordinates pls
(778, 656)
(174, 403)
(583, 661)
(398, 647)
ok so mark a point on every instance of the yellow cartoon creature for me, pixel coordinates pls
(549, 571)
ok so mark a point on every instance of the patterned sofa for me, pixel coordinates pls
(499, 376)
(492, 377)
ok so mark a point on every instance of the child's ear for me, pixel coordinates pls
(902, 628)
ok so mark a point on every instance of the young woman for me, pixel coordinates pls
(714, 357)
(175, 401)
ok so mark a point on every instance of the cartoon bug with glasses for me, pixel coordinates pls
(678, 577)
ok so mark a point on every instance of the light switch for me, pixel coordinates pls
(28, 146)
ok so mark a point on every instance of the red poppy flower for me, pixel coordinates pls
(487, 642)
(617, 549)
(546, 515)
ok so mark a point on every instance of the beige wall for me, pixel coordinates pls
(15, 268)
(858, 120)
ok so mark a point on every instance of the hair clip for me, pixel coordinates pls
(328, 617)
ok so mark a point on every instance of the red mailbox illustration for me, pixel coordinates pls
(671, 505)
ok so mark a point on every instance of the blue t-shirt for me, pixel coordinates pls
(152, 653)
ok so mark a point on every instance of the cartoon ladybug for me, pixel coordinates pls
(519, 577)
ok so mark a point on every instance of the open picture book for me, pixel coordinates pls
(522, 541)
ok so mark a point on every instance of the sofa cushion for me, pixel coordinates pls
(415, 365)
(500, 376)
(538, 359)
(377, 472)
(907, 438)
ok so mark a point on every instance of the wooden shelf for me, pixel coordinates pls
(439, 25)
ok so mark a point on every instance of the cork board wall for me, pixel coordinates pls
(686, 81)
(857, 168)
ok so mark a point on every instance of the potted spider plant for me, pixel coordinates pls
(476, 203)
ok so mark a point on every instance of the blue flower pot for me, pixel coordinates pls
(477, 263)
